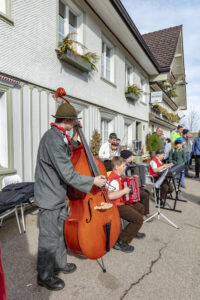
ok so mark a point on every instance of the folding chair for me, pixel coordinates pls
(12, 180)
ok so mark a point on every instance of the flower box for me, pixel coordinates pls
(74, 60)
(132, 96)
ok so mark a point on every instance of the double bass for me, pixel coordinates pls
(93, 225)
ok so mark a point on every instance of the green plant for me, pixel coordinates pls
(69, 44)
(170, 88)
(95, 143)
(134, 89)
(169, 116)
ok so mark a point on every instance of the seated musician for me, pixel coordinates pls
(144, 194)
(156, 165)
(177, 156)
(134, 215)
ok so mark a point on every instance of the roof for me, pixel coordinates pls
(162, 44)
(130, 24)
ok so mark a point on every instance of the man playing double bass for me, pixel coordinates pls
(54, 171)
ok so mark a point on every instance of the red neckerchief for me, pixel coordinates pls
(63, 131)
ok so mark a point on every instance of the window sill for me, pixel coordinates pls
(108, 81)
(131, 96)
(6, 18)
(5, 171)
(74, 60)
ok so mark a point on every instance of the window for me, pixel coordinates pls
(144, 89)
(5, 11)
(104, 130)
(128, 74)
(3, 6)
(128, 133)
(3, 130)
(70, 20)
(107, 61)
(61, 30)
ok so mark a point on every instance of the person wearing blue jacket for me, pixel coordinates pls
(196, 151)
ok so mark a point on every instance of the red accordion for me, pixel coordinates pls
(133, 183)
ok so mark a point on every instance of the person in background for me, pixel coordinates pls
(188, 151)
(190, 137)
(108, 150)
(144, 194)
(155, 142)
(163, 140)
(176, 134)
(196, 151)
(167, 149)
(156, 165)
(177, 156)
(118, 143)
(134, 215)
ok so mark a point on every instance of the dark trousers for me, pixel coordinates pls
(107, 164)
(51, 246)
(134, 215)
(144, 199)
(197, 165)
(188, 157)
(165, 188)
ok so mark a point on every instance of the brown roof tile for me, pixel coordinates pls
(162, 44)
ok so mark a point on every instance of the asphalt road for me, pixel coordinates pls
(165, 265)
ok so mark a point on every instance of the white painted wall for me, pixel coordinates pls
(28, 53)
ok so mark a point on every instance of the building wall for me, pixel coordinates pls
(28, 54)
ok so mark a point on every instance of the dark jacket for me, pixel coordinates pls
(54, 171)
(154, 143)
(14, 194)
(196, 146)
(177, 157)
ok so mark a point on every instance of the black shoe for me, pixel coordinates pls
(196, 176)
(53, 283)
(70, 268)
(140, 235)
(123, 246)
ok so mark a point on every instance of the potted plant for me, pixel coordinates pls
(133, 92)
(67, 51)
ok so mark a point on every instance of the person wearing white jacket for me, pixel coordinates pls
(108, 150)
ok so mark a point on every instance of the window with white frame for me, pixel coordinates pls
(106, 129)
(128, 133)
(144, 89)
(70, 21)
(3, 6)
(3, 130)
(107, 60)
(128, 74)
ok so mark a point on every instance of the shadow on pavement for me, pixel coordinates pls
(192, 198)
(19, 255)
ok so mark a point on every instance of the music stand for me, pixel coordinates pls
(158, 213)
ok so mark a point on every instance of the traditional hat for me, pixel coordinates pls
(66, 110)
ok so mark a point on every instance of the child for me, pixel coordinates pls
(144, 194)
(177, 156)
(127, 212)
(156, 165)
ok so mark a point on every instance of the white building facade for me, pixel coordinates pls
(30, 73)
